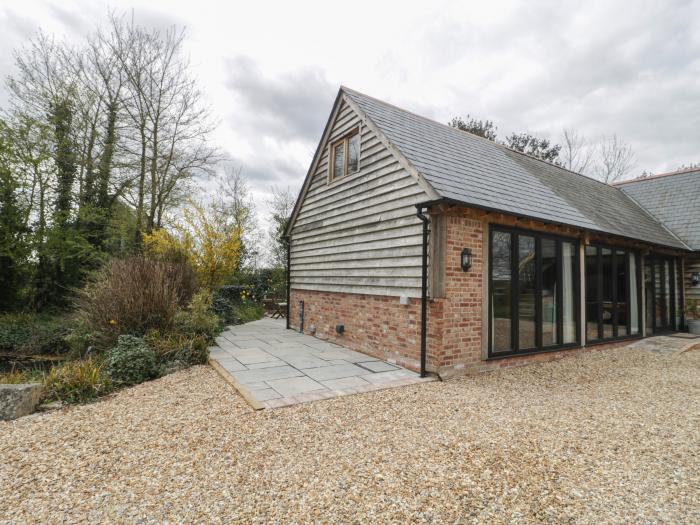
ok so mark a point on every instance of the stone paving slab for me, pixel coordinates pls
(266, 374)
(335, 371)
(295, 385)
(667, 344)
(274, 367)
(378, 366)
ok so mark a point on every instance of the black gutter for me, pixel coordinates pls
(424, 292)
(288, 242)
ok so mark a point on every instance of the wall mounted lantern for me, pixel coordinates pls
(695, 279)
(466, 259)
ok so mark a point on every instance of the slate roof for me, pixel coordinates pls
(674, 199)
(474, 171)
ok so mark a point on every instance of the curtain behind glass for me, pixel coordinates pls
(633, 309)
(567, 259)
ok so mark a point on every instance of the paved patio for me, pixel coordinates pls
(274, 367)
(670, 344)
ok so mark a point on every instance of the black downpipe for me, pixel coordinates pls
(288, 242)
(424, 293)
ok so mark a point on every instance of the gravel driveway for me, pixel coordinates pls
(605, 437)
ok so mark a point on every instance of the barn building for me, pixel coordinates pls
(445, 252)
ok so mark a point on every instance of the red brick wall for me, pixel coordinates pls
(376, 325)
(459, 344)
(382, 327)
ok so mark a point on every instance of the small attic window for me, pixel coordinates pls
(345, 155)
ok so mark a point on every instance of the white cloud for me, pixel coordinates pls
(270, 70)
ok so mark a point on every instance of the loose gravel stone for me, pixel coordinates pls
(603, 437)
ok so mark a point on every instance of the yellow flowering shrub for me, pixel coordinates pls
(205, 234)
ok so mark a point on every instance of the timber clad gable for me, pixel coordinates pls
(358, 233)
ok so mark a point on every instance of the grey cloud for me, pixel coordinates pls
(622, 70)
(17, 30)
(291, 106)
(77, 22)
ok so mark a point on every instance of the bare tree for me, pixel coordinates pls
(576, 154)
(281, 206)
(615, 159)
(171, 125)
(235, 200)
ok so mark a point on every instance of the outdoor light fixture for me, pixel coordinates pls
(695, 279)
(466, 259)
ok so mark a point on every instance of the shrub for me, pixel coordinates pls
(75, 381)
(197, 353)
(178, 347)
(14, 377)
(22, 375)
(30, 334)
(225, 300)
(199, 318)
(134, 294)
(131, 361)
(247, 312)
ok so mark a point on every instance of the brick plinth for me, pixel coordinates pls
(376, 325)
(380, 326)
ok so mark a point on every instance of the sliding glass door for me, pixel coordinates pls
(663, 302)
(613, 296)
(533, 292)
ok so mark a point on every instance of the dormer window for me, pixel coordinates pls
(345, 155)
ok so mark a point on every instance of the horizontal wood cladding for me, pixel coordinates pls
(692, 265)
(359, 234)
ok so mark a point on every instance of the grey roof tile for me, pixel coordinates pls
(674, 199)
(478, 172)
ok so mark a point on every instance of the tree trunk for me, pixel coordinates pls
(142, 183)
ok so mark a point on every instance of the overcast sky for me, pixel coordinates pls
(272, 69)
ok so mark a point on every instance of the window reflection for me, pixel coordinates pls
(526, 292)
(549, 292)
(501, 291)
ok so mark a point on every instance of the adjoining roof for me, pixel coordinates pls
(674, 199)
(475, 171)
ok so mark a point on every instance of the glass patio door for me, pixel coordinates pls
(662, 301)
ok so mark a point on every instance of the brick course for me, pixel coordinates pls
(380, 326)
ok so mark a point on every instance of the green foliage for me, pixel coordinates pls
(198, 318)
(248, 311)
(65, 259)
(15, 377)
(522, 142)
(131, 362)
(14, 250)
(533, 146)
(174, 347)
(224, 301)
(76, 381)
(482, 128)
(281, 205)
(32, 334)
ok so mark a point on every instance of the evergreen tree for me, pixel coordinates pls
(13, 248)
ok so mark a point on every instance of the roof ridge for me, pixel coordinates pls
(588, 218)
(642, 178)
(493, 142)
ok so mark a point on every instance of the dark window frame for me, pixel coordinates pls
(515, 314)
(345, 142)
(614, 261)
(671, 301)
